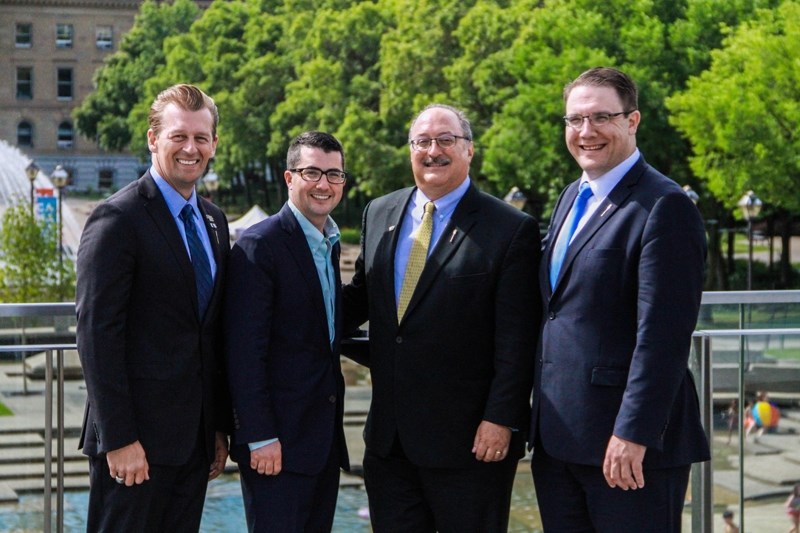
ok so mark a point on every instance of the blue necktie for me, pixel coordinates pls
(202, 268)
(578, 209)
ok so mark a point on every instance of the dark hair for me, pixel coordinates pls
(727, 514)
(188, 98)
(463, 121)
(608, 77)
(313, 139)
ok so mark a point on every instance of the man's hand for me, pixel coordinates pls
(220, 455)
(267, 459)
(622, 466)
(129, 463)
(491, 442)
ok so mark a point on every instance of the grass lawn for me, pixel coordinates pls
(4, 410)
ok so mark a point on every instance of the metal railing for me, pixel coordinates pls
(702, 474)
(47, 310)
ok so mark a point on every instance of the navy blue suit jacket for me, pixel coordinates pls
(616, 329)
(285, 378)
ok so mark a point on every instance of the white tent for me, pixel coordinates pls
(253, 216)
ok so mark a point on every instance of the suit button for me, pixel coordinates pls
(399, 340)
(332, 398)
(551, 316)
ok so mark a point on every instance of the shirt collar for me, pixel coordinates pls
(602, 186)
(175, 201)
(313, 235)
(444, 205)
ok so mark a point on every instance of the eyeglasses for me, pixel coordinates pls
(595, 119)
(314, 174)
(442, 141)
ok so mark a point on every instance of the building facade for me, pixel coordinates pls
(49, 52)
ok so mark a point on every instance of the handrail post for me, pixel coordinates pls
(702, 473)
(48, 439)
(60, 417)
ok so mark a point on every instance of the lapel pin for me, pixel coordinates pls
(605, 210)
(453, 235)
(391, 228)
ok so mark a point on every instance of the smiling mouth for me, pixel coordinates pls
(436, 162)
(592, 147)
(321, 196)
(188, 161)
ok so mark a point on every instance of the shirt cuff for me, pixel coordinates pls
(260, 444)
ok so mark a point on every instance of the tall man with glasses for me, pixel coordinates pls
(615, 419)
(447, 279)
(283, 326)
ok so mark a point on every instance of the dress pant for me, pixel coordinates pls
(575, 498)
(404, 497)
(291, 502)
(171, 501)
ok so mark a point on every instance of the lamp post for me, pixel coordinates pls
(750, 205)
(59, 178)
(515, 197)
(32, 170)
(211, 183)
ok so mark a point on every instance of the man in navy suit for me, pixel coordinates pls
(452, 366)
(615, 419)
(149, 331)
(282, 329)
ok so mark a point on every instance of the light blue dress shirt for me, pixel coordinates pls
(445, 206)
(321, 247)
(175, 203)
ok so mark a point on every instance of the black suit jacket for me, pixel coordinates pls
(464, 350)
(285, 377)
(617, 328)
(153, 368)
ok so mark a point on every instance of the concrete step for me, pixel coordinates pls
(18, 440)
(36, 454)
(36, 470)
(30, 485)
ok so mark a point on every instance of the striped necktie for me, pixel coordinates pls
(416, 260)
(578, 210)
(202, 268)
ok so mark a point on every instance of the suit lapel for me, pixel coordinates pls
(157, 209)
(464, 218)
(214, 238)
(601, 215)
(298, 248)
(384, 253)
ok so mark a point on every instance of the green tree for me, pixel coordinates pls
(29, 266)
(103, 115)
(742, 115)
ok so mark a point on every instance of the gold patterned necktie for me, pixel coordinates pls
(416, 260)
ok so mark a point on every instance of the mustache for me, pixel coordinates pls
(438, 160)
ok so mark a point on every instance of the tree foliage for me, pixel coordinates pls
(362, 69)
(29, 265)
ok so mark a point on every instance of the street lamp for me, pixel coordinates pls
(515, 197)
(32, 170)
(59, 178)
(211, 183)
(750, 205)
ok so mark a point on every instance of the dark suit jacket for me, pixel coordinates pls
(616, 331)
(153, 369)
(285, 379)
(464, 350)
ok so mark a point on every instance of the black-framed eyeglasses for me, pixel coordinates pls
(314, 174)
(595, 119)
(442, 141)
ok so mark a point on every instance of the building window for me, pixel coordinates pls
(104, 37)
(65, 84)
(105, 178)
(65, 135)
(64, 35)
(24, 38)
(25, 134)
(24, 83)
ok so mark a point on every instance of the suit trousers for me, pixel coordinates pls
(171, 501)
(404, 497)
(291, 502)
(575, 498)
